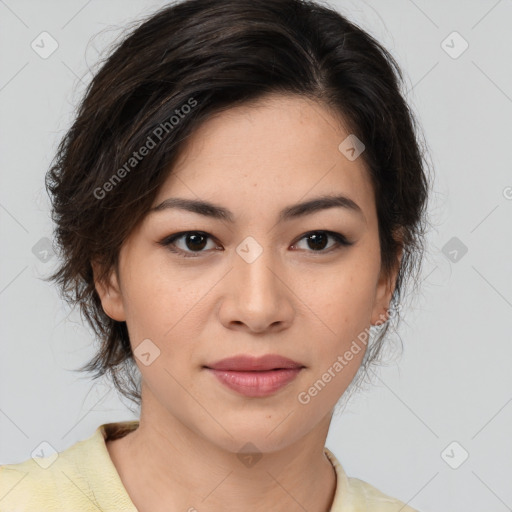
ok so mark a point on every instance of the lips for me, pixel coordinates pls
(255, 377)
(245, 363)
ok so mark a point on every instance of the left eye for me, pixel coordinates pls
(318, 239)
(195, 241)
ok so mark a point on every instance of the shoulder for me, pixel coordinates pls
(355, 495)
(374, 499)
(73, 479)
(46, 482)
(25, 486)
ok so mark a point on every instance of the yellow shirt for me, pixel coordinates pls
(83, 478)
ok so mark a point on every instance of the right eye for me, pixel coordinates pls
(191, 242)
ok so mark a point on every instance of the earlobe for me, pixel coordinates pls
(109, 292)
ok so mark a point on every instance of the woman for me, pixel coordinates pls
(240, 199)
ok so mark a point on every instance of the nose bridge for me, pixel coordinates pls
(255, 266)
(255, 297)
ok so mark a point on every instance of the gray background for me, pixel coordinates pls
(453, 381)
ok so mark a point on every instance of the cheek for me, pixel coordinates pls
(343, 305)
(164, 306)
(343, 300)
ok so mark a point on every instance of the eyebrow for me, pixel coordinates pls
(290, 212)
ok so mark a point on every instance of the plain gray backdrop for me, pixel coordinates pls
(434, 430)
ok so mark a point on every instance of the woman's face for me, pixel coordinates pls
(263, 276)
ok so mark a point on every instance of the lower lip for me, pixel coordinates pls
(256, 384)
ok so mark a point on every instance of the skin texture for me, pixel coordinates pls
(305, 304)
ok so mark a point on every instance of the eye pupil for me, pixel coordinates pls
(319, 241)
(198, 241)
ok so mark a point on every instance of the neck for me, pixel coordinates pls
(164, 465)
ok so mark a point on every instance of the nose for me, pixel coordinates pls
(256, 295)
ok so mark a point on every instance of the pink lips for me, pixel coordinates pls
(255, 376)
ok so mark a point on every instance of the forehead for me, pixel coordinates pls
(269, 153)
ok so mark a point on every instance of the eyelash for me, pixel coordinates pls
(168, 241)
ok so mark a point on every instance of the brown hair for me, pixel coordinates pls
(180, 66)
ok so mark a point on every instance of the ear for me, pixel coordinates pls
(109, 292)
(384, 291)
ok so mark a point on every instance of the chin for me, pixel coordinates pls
(266, 432)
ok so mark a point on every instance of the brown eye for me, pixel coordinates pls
(317, 241)
(195, 241)
(191, 242)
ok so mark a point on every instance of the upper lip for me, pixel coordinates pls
(251, 363)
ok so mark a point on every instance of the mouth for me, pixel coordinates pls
(246, 363)
(255, 376)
